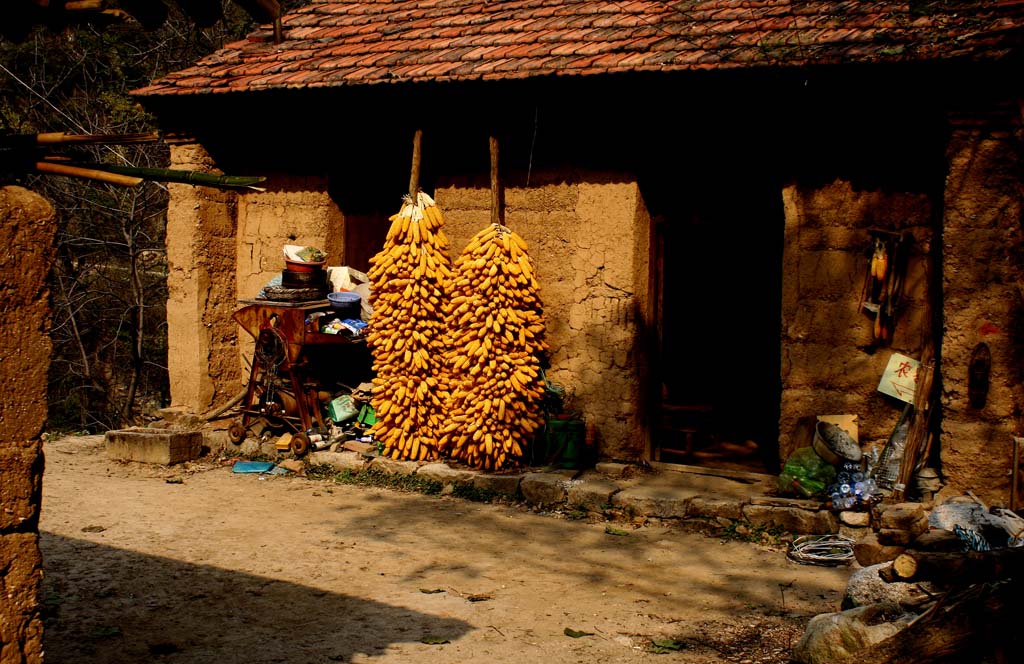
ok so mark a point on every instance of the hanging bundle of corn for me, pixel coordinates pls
(406, 338)
(496, 337)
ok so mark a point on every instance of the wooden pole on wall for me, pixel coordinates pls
(495, 185)
(414, 178)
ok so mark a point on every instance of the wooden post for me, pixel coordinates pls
(414, 177)
(495, 185)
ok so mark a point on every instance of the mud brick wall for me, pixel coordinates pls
(26, 252)
(224, 246)
(828, 366)
(201, 359)
(982, 279)
(589, 238)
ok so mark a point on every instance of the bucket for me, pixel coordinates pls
(564, 444)
(833, 444)
(347, 304)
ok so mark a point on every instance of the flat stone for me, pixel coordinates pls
(340, 460)
(660, 502)
(591, 494)
(180, 417)
(902, 516)
(360, 447)
(615, 469)
(543, 489)
(855, 519)
(716, 508)
(507, 485)
(293, 465)
(393, 466)
(158, 446)
(445, 474)
(670, 494)
(794, 520)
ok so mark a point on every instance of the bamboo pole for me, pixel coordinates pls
(417, 156)
(87, 173)
(60, 137)
(495, 183)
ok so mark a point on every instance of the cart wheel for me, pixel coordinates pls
(236, 432)
(299, 444)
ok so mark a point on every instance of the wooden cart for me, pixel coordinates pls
(280, 391)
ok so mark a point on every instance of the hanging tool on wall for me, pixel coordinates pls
(883, 284)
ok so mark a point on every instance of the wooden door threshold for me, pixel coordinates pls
(717, 472)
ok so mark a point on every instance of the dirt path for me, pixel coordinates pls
(232, 568)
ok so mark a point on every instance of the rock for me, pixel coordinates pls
(793, 519)
(507, 485)
(832, 637)
(615, 469)
(855, 519)
(901, 516)
(543, 489)
(293, 465)
(591, 494)
(361, 448)
(865, 587)
(869, 551)
(445, 474)
(340, 460)
(393, 466)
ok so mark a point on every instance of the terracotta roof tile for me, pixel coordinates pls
(330, 43)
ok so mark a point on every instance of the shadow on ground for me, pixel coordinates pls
(97, 611)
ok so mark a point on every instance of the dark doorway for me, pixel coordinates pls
(718, 276)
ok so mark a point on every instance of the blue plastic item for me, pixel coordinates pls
(251, 466)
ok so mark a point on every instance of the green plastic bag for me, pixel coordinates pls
(806, 474)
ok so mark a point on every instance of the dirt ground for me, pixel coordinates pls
(152, 564)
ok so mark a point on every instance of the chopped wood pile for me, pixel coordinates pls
(974, 619)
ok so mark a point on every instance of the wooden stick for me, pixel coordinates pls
(1015, 475)
(920, 424)
(417, 156)
(495, 186)
(87, 173)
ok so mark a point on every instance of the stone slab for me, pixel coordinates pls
(340, 460)
(445, 474)
(543, 489)
(507, 485)
(393, 466)
(157, 446)
(591, 494)
(792, 520)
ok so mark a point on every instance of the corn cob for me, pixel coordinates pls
(408, 280)
(495, 339)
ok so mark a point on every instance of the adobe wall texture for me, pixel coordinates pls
(201, 239)
(224, 246)
(981, 280)
(827, 363)
(589, 238)
(26, 237)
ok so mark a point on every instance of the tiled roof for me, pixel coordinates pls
(376, 41)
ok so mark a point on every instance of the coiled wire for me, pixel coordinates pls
(821, 550)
